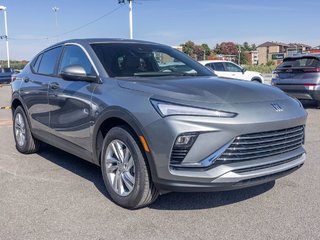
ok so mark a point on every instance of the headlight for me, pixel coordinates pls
(169, 109)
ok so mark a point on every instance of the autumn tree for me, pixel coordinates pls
(226, 48)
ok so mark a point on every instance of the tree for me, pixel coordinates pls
(206, 49)
(226, 48)
(246, 46)
(188, 48)
(196, 51)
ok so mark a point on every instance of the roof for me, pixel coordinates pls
(99, 40)
(299, 45)
(269, 44)
(212, 61)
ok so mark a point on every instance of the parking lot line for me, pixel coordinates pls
(5, 122)
(5, 108)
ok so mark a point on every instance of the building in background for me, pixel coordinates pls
(253, 57)
(315, 49)
(276, 51)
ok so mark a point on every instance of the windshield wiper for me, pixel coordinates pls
(159, 74)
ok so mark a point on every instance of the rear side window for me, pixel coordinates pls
(304, 62)
(48, 61)
(36, 63)
(218, 66)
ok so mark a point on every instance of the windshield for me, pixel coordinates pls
(303, 62)
(146, 60)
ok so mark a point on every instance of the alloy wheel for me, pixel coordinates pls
(20, 129)
(120, 167)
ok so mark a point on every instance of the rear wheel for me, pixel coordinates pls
(124, 170)
(25, 142)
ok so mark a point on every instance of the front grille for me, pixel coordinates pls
(264, 144)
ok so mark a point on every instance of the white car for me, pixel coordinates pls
(228, 69)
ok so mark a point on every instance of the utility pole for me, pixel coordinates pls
(130, 15)
(239, 52)
(130, 19)
(56, 9)
(4, 9)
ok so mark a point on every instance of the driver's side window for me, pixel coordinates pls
(74, 55)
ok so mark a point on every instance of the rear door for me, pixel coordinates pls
(34, 89)
(219, 69)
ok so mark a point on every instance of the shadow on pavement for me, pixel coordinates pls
(75, 165)
(170, 201)
(195, 201)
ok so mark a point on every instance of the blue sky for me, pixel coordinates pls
(32, 26)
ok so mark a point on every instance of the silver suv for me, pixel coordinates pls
(299, 77)
(154, 119)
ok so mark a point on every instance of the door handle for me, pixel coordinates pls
(54, 85)
(26, 79)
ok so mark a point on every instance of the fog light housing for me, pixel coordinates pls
(182, 145)
(185, 140)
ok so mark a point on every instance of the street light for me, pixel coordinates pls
(4, 9)
(130, 15)
(56, 9)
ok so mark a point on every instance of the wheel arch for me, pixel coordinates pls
(117, 116)
(256, 79)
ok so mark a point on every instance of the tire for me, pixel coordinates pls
(25, 142)
(256, 81)
(123, 164)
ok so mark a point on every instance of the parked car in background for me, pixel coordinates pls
(154, 119)
(299, 77)
(228, 69)
(6, 75)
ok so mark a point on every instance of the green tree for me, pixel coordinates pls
(188, 48)
(206, 49)
(246, 46)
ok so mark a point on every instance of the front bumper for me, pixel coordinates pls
(215, 133)
(242, 175)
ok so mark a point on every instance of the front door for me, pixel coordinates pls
(70, 101)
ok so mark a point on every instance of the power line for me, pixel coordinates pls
(72, 30)
(89, 23)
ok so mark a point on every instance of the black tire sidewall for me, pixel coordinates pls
(141, 178)
(24, 147)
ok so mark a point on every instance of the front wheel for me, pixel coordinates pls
(124, 170)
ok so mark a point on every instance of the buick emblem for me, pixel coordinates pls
(277, 107)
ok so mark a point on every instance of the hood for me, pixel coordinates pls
(204, 89)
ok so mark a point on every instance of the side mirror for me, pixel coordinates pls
(243, 70)
(76, 73)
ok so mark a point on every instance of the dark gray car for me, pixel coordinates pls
(299, 77)
(154, 119)
(6, 75)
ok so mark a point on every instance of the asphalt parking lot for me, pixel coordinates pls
(54, 195)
